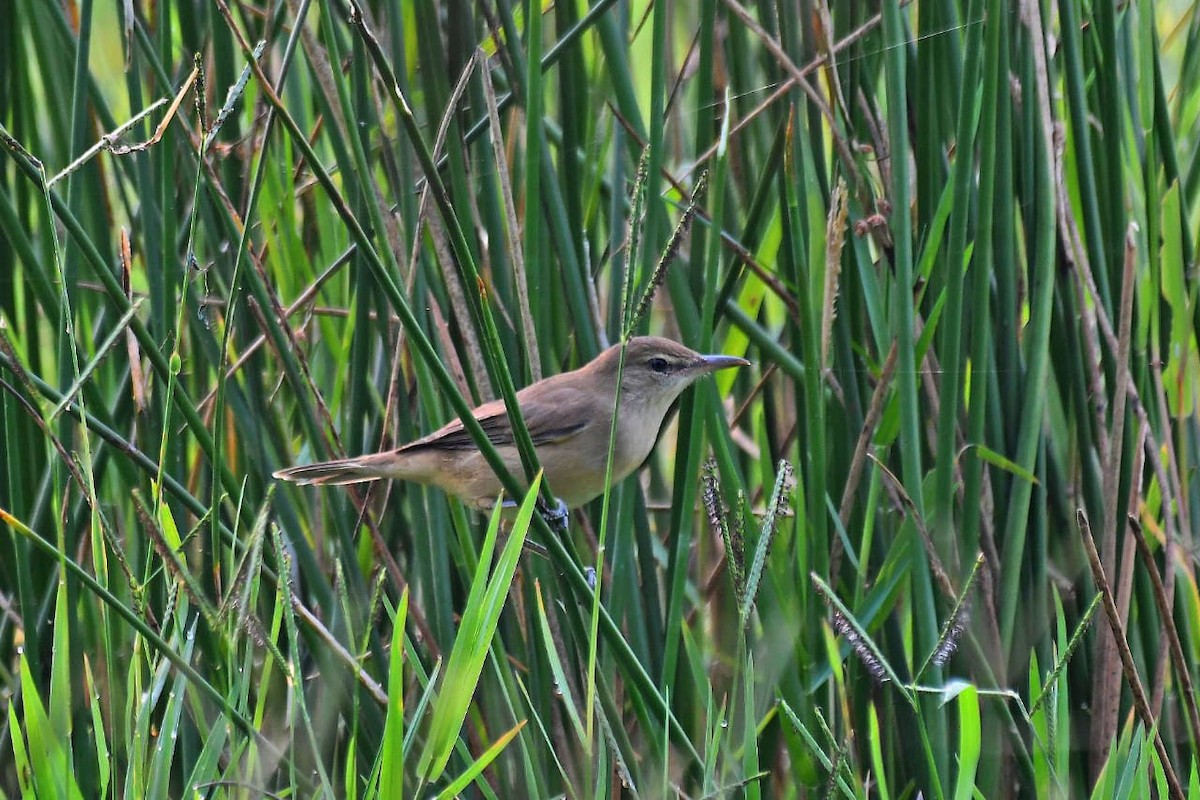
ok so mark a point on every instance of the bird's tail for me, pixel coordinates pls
(335, 473)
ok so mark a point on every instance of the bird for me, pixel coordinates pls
(569, 417)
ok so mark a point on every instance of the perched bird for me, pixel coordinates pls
(568, 416)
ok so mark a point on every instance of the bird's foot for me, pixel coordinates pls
(558, 517)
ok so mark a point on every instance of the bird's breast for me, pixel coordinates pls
(637, 431)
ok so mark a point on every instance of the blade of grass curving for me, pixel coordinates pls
(479, 619)
(59, 706)
(391, 747)
(104, 757)
(48, 760)
(455, 787)
(969, 743)
(427, 684)
(562, 685)
(545, 740)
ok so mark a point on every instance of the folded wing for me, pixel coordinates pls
(557, 415)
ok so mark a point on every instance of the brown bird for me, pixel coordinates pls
(569, 417)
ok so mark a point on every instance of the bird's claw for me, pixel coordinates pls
(557, 517)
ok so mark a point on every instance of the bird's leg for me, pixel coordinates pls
(529, 545)
(557, 517)
(537, 548)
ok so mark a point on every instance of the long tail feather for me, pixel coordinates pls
(331, 473)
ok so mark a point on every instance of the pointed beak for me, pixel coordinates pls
(713, 363)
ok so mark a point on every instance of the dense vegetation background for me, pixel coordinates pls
(937, 541)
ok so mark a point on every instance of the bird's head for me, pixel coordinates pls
(657, 370)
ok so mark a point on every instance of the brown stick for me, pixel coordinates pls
(1105, 696)
(1140, 703)
(1171, 633)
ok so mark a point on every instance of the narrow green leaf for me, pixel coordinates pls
(1008, 465)
(480, 764)
(391, 749)
(562, 686)
(969, 742)
(475, 632)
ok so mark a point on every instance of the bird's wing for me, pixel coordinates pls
(552, 417)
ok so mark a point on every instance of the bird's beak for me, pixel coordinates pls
(713, 363)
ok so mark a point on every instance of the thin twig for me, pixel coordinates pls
(1163, 601)
(1105, 696)
(859, 459)
(940, 576)
(1140, 703)
(109, 140)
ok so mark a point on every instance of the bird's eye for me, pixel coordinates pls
(657, 364)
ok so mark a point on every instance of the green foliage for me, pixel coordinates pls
(957, 238)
